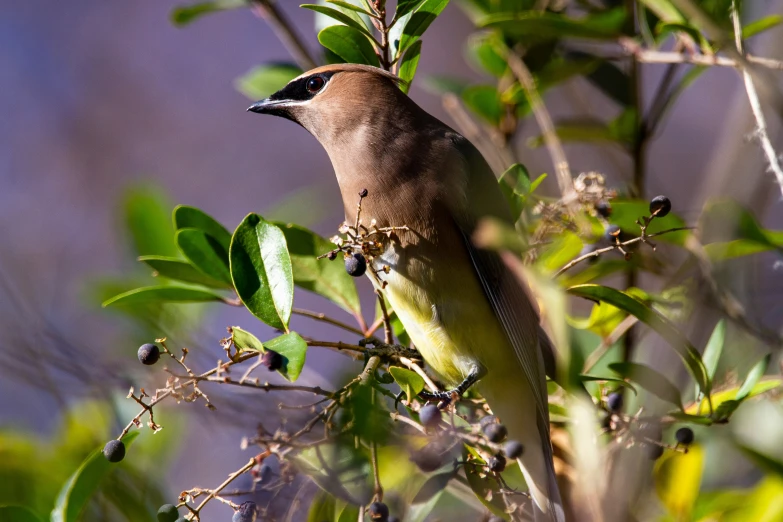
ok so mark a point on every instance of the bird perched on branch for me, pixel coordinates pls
(472, 320)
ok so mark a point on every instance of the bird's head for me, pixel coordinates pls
(332, 98)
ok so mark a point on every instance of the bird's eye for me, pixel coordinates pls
(315, 84)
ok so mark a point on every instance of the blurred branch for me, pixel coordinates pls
(318, 316)
(267, 9)
(651, 56)
(755, 104)
(526, 80)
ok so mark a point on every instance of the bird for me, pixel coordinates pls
(471, 319)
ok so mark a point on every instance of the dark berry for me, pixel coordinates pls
(513, 449)
(611, 233)
(497, 463)
(272, 360)
(614, 401)
(430, 415)
(247, 512)
(603, 208)
(487, 420)
(660, 206)
(363, 193)
(355, 265)
(168, 513)
(654, 451)
(495, 432)
(114, 451)
(379, 511)
(331, 255)
(684, 436)
(149, 354)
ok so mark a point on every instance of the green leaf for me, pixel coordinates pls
(294, 351)
(409, 64)
(261, 270)
(626, 212)
(177, 269)
(678, 480)
(349, 44)
(410, 382)
(605, 25)
(291, 346)
(349, 5)
(761, 25)
(484, 100)
(650, 380)
(515, 185)
(341, 17)
(205, 253)
(244, 341)
(441, 85)
(653, 319)
(599, 378)
(729, 395)
(726, 218)
(714, 349)
(755, 374)
(665, 10)
(17, 514)
(403, 8)
(483, 50)
(184, 15)
(420, 20)
(570, 132)
(83, 482)
(264, 80)
(322, 508)
(163, 294)
(322, 276)
(146, 217)
(191, 217)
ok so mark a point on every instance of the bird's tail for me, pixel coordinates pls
(526, 426)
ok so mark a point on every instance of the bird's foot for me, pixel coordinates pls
(449, 395)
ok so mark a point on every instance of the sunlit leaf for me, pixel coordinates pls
(761, 25)
(163, 294)
(264, 80)
(354, 22)
(146, 217)
(322, 276)
(755, 374)
(403, 8)
(186, 14)
(409, 64)
(349, 44)
(410, 382)
(714, 349)
(83, 483)
(483, 50)
(649, 379)
(294, 351)
(678, 480)
(350, 6)
(729, 394)
(261, 270)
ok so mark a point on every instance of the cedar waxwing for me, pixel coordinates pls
(469, 317)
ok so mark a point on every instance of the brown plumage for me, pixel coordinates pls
(462, 308)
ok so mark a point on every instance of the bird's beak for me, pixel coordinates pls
(267, 106)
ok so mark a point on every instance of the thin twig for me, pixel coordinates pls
(326, 319)
(755, 103)
(267, 9)
(596, 253)
(229, 480)
(387, 327)
(652, 56)
(564, 179)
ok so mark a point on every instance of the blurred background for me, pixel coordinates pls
(105, 104)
